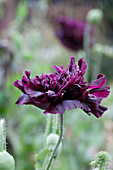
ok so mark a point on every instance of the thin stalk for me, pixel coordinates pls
(55, 121)
(47, 127)
(2, 135)
(101, 167)
(87, 49)
(58, 143)
(97, 65)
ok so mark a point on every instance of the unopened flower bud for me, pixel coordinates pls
(94, 16)
(51, 142)
(98, 49)
(6, 161)
(108, 51)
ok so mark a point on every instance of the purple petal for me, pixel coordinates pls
(82, 65)
(23, 99)
(73, 66)
(61, 107)
(39, 104)
(33, 93)
(50, 93)
(58, 69)
(18, 84)
(99, 82)
(101, 92)
(27, 74)
(98, 112)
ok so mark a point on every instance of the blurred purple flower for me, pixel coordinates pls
(63, 90)
(71, 32)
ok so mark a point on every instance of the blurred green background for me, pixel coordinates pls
(28, 42)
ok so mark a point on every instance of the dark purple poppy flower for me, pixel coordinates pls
(63, 90)
(71, 32)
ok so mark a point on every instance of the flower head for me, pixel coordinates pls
(63, 90)
(94, 16)
(71, 32)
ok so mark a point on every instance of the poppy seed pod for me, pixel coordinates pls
(6, 161)
(51, 142)
(98, 49)
(94, 16)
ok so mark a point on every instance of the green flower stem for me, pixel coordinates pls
(97, 65)
(47, 127)
(2, 135)
(87, 49)
(101, 167)
(55, 121)
(58, 143)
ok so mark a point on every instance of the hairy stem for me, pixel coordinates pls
(55, 120)
(58, 143)
(87, 49)
(47, 128)
(2, 135)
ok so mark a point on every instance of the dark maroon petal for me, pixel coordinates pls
(23, 99)
(50, 93)
(82, 65)
(26, 81)
(58, 69)
(99, 82)
(69, 85)
(27, 74)
(61, 107)
(98, 112)
(73, 66)
(33, 93)
(39, 104)
(93, 101)
(101, 92)
(18, 84)
(38, 85)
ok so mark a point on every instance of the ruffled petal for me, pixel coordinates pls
(61, 107)
(101, 92)
(23, 99)
(99, 82)
(98, 112)
(58, 69)
(18, 84)
(27, 74)
(73, 66)
(82, 65)
(33, 93)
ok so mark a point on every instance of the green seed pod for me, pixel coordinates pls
(108, 51)
(6, 161)
(51, 142)
(98, 49)
(94, 16)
